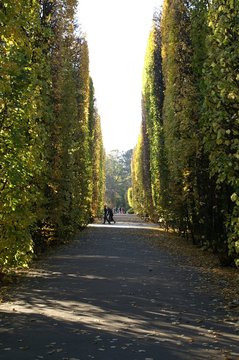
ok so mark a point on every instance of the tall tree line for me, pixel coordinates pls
(51, 150)
(185, 166)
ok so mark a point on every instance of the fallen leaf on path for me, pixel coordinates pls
(51, 352)
(24, 348)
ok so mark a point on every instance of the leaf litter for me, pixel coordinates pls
(223, 280)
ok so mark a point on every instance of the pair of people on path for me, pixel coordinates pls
(108, 215)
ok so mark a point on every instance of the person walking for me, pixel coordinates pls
(106, 215)
(111, 216)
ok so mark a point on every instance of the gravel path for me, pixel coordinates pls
(113, 295)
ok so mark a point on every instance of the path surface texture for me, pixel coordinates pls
(113, 295)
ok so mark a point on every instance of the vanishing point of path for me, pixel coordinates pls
(113, 295)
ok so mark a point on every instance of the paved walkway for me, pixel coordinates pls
(112, 295)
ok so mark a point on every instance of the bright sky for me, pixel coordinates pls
(117, 33)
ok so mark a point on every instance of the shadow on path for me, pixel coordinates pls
(111, 295)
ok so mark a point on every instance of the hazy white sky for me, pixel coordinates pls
(117, 33)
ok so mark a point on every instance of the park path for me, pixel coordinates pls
(112, 295)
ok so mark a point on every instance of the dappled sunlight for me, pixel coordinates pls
(82, 256)
(93, 277)
(127, 225)
(120, 292)
(161, 329)
(141, 317)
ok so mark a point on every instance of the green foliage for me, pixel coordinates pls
(118, 178)
(48, 142)
(185, 165)
(75, 177)
(141, 180)
(21, 129)
(130, 196)
(221, 108)
(97, 157)
(153, 97)
(138, 201)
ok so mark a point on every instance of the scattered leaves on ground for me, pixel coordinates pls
(224, 280)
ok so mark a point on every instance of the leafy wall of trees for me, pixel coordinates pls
(51, 150)
(190, 124)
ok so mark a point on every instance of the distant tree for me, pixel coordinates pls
(118, 178)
